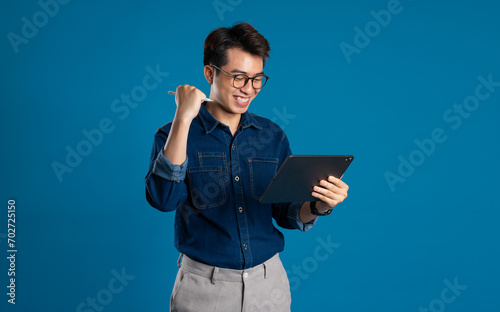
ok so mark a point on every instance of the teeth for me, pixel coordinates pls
(242, 99)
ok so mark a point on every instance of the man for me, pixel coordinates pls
(211, 165)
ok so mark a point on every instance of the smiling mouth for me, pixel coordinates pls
(241, 99)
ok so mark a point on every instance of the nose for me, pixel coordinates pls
(248, 88)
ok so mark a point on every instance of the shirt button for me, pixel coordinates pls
(237, 178)
(245, 275)
(240, 209)
(233, 147)
(245, 245)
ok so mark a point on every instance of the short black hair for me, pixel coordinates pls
(240, 35)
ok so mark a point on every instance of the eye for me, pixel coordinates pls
(239, 78)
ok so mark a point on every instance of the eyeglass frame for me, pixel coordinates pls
(246, 81)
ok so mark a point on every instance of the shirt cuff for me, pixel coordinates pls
(293, 217)
(165, 169)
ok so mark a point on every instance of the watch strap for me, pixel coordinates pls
(315, 211)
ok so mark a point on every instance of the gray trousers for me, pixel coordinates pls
(203, 288)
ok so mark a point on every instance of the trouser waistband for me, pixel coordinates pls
(229, 275)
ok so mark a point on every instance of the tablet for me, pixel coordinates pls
(295, 179)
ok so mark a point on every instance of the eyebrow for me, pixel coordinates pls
(244, 72)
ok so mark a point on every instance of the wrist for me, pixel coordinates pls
(181, 121)
(319, 212)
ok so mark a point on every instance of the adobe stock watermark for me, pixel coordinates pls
(448, 295)
(223, 6)
(273, 301)
(454, 117)
(282, 118)
(121, 108)
(373, 28)
(30, 28)
(105, 296)
(309, 265)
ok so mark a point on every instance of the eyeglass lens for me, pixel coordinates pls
(240, 81)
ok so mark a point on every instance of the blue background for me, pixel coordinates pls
(394, 247)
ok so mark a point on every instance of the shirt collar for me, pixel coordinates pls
(248, 120)
(209, 122)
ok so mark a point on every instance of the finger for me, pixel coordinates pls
(333, 188)
(201, 94)
(336, 195)
(321, 190)
(329, 194)
(330, 202)
(186, 92)
(338, 182)
(328, 185)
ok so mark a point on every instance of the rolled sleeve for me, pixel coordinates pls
(294, 219)
(162, 167)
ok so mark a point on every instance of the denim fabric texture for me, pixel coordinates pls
(219, 219)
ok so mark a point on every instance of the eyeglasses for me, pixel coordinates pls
(241, 80)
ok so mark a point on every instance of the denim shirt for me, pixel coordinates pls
(219, 219)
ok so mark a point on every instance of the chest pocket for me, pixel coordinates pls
(262, 172)
(207, 182)
(208, 159)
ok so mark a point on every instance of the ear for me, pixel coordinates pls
(209, 73)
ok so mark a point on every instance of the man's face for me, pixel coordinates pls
(232, 100)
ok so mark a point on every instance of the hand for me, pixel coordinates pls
(330, 193)
(188, 100)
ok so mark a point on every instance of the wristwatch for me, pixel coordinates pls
(315, 211)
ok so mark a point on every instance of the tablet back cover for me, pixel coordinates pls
(299, 173)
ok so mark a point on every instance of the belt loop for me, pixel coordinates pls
(265, 270)
(179, 262)
(214, 273)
